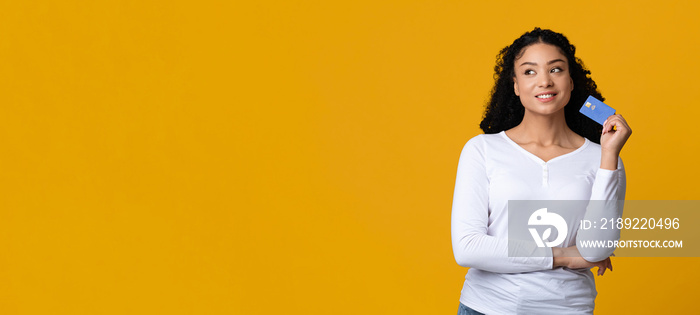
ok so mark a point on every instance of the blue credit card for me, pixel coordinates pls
(596, 110)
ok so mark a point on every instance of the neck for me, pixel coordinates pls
(544, 129)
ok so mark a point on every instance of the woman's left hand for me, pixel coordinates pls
(611, 141)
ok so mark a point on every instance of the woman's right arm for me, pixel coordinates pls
(471, 243)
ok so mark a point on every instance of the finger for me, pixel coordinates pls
(622, 118)
(618, 121)
(606, 125)
(623, 123)
(606, 265)
(610, 263)
(615, 123)
(618, 125)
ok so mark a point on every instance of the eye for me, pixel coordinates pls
(554, 70)
(528, 72)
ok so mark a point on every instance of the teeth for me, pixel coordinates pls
(545, 96)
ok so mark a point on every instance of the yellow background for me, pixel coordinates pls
(296, 157)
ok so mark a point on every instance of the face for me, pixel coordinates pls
(542, 79)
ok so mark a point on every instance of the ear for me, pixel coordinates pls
(515, 86)
(572, 84)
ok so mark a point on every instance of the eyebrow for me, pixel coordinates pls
(534, 63)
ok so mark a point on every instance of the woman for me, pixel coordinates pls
(536, 146)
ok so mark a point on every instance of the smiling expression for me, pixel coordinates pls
(542, 79)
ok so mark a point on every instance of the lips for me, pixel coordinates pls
(545, 95)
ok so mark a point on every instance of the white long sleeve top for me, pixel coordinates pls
(492, 170)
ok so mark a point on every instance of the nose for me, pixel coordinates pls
(545, 80)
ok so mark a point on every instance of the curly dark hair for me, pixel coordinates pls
(504, 109)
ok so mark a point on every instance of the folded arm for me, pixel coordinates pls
(471, 244)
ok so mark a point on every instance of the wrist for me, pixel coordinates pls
(558, 259)
(608, 160)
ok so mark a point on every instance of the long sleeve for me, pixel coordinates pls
(472, 244)
(607, 197)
